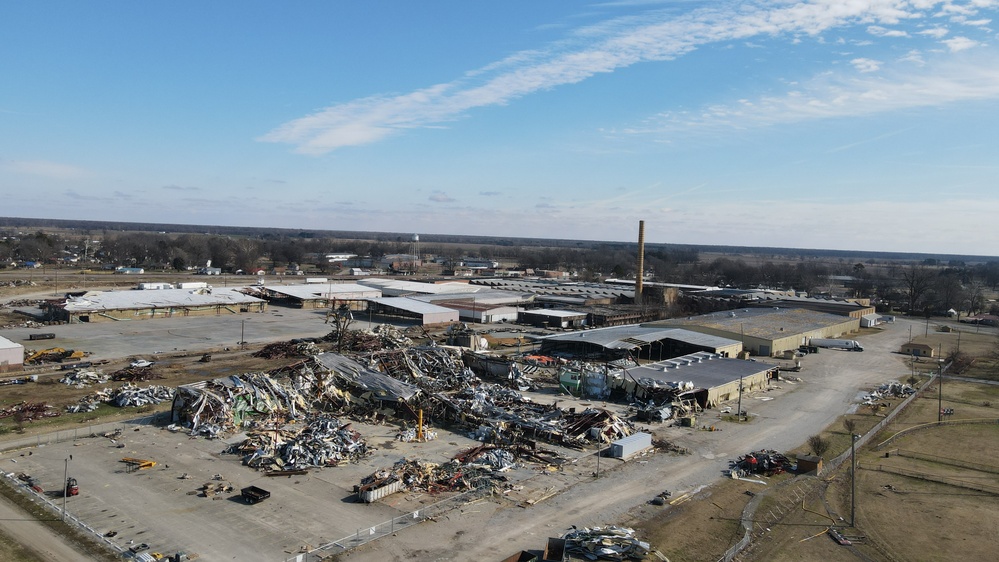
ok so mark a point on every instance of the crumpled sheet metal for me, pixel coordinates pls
(500, 414)
(606, 543)
(431, 368)
(222, 406)
(126, 395)
(82, 378)
(324, 441)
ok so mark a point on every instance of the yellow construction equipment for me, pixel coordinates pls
(138, 464)
(54, 354)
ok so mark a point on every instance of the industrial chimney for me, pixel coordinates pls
(641, 262)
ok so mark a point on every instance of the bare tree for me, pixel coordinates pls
(916, 281)
(850, 425)
(818, 444)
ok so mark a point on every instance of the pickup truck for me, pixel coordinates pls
(253, 494)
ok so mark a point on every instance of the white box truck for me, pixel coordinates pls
(850, 345)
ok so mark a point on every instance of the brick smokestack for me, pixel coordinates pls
(641, 262)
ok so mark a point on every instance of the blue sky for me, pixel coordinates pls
(825, 124)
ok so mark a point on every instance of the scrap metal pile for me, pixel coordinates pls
(766, 462)
(124, 396)
(291, 348)
(606, 543)
(422, 476)
(323, 441)
(503, 415)
(433, 369)
(81, 378)
(222, 406)
(380, 337)
(890, 389)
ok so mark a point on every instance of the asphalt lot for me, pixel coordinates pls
(156, 506)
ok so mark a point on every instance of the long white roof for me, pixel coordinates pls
(163, 298)
(311, 291)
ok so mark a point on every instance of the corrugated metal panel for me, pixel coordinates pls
(369, 496)
(634, 443)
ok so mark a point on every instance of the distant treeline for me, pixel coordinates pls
(266, 233)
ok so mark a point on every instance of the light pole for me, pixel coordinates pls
(853, 479)
(940, 366)
(242, 331)
(65, 487)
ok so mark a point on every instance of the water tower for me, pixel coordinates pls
(415, 251)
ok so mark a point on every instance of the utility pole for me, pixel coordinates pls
(853, 479)
(242, 331)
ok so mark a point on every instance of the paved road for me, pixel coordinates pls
(50, 546)
(831, 382)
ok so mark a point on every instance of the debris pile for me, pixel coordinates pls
(765, 462)
(134, 374)
(607, 543)
(433, 369)
(81, 378)
(324, 441)
(422, 476)
(285, 349)
(28, 411)
(125, 396)
(890, 389)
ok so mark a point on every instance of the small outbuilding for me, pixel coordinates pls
(918, 350)
(631, 445)
(11, 356)
(809, 464)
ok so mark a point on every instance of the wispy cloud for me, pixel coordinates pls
(172, 187)
(959, 44)
(658, 35)
(440, 197)
(866, 65)
(45, 168)
(845, 95)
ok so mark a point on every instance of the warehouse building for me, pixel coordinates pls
(717, 377)
(769, 331)
(11, 356)
(315, 295)
(423, 313)
(100, 306)
(640, 342)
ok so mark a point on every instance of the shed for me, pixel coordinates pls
(809, 463)
(630, 445)
(918, 350)
(11, 356)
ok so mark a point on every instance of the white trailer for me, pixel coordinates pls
(851, 345)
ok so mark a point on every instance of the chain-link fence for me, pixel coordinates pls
(59, 511)
(83, 432)
(368, 534)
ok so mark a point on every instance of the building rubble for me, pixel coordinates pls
(323, 441)
(421, 476)
(81, 378)
(606, 543)
(292, 348)
(765, 462)
(134, 374)
(28, 411)
(890, 389)
(124, 396)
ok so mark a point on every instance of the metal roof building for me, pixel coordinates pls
(319, 295)
(424, 312)
(654, 343)
(766, 331)
(719, 376)
(97, 306)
